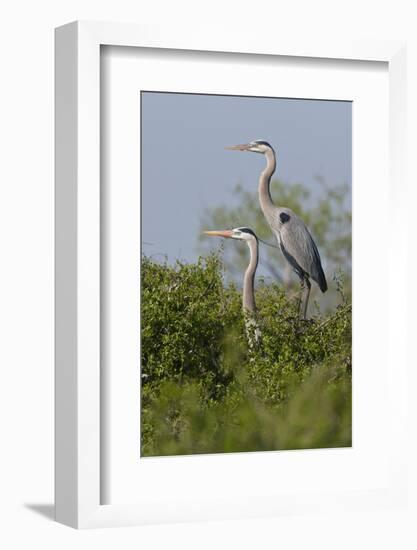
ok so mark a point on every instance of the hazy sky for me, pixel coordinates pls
(186, 169)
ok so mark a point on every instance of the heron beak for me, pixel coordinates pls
(243, 147)
(226, 234)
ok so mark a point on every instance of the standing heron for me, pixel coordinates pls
(293, 237)
(248, 296)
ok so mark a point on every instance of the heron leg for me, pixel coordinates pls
(301, 295)
(307, 285)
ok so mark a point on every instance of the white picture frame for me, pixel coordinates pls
(78, 501)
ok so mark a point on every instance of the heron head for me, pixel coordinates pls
(256, 146)
(239, 233)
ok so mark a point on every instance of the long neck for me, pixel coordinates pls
(265, 199)
(249, 278)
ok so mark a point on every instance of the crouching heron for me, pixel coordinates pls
(248, 296)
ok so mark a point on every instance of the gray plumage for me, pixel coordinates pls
(294, 239)
(298, 247)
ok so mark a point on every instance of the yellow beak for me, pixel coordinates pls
(226, 233)
(243, 147)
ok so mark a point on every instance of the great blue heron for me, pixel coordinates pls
(248, 296)
(293, 237)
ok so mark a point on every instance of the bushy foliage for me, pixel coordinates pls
(186, 311)
(204, 390)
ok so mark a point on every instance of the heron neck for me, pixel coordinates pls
(265, 199)
(249, 278)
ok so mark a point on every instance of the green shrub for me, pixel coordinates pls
(205, 391)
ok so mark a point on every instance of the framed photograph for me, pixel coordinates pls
(225, 335)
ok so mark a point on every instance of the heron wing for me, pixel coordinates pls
(299, 248)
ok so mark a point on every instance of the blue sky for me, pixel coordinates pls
(186, 169)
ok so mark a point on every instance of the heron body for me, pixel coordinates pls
(294, 239)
